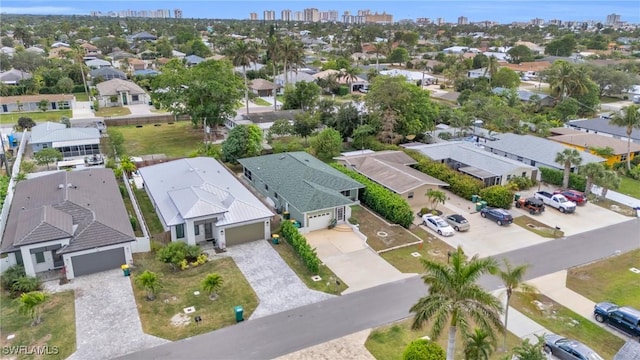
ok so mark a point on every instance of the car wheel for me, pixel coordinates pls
(561, 210)
(424, 223)
(547, 349)
(499, 222)
(532, 211)
(599, 318)
(483, 215)
(518, 205)
(456, 228)
(439, 232)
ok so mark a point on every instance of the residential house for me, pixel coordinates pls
(7, 50)
(59, 44)
(59, 52)
(71, 142)
(460, 50)
(471, 159)
(500, 56)
(62, 222)
(533, 151)
(178, 54)
(90, 49)
(146, 72)
(478, 73)
(252, 66)
(411, 76)
(305, 188)
(264, 120)
(141, 36)
(192, 60)
(528, 69)
(293, 77)
(356, 84)
(136, 64)
(13, 76)
(526, 96)
(98, 63)
(535, 48)
(35, 50)
(262, 87)
(601, 126)
(392, 169)
(107, 73)
(119, 55)
(26, 103)
(593, 142)
(198, 200)
(118, 92)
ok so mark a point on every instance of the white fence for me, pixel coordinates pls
(143, 243)
(15, 170)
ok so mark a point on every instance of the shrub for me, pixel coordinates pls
(301, 246)
(385, 202)
(123, 191)
(25, 284)
(342, 91)
(459, 183)
(521, 183)
(554, 177)
(12, 274)
(423, 349)
(134, 222)
(445, 135)
(155, 246)
(497, 196)
(177, 252)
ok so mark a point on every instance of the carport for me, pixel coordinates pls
(487, 178)
(98, 261)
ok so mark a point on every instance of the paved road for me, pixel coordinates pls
(283, 333)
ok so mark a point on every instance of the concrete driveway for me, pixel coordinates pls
(139, 109)
(82, 110)
(346, 254)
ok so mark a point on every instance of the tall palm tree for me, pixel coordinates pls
(478, 346)
(379, 48)
(492, 67)
(629, 118)
(608, 180)
(568, 158)
(30, 303)
(456, 298)
(243, 54)
(274, 55)
(150, 282)
(591, 171)
(350, 74)
(77, 55)
(565, 80)
(512, 279)
(291, 53)
(211, 284)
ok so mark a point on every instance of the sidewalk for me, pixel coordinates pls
(519, 324)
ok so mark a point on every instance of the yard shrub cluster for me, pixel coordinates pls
(521, 183)
(185, 264)
(497, 196)
(16, 281)
(459, 183)
(554, 177)
(381, 200)
(4, 186)
(178, 253)
(423, 349)
(301, 246)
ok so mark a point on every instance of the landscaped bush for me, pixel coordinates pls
(459, 183)
(178, 252)
(301, 246)
(422, 349)
(16, 281)
(497, 196)
(554, 177)
(521, 183)
(343, 90)
(4, 186)
(381, 200)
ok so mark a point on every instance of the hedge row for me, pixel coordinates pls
(459, 183)
(555, 177)
(301, 246)
(385, 202)
(497, 196)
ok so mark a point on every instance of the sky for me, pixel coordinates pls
(502, 11)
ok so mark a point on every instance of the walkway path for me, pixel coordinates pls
(82, 110)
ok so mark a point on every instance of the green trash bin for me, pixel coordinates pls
(484, 204)
(126, 270)
(239, 313)
(275, 239)
(475, 198)
(478, 206)
(516, 197)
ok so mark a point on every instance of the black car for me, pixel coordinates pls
(500, 216)
(623, 318)
(567, 349)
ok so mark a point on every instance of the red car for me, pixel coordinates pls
(573, 195)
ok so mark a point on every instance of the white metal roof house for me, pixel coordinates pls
(71, 142)
(198, 199)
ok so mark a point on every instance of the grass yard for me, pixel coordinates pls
(612, 205)
(608, 280)
(148, 212)
(389, 342)
(560, 320)
(37, 116)
(329, 282)
(129, 206)
(57, 331)
(432, 249)
(175, 140)
(178, 293)
(112, 111)
(537, 227)
(629, 186)
(81, 96)
(261, 102)
(373, 228)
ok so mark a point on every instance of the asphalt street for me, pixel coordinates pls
(289, 331)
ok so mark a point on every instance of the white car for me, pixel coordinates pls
(437, 224)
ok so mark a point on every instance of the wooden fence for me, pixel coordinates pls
(144, 119)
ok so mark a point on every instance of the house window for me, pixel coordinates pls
(40, 257)
(524, 174)
(180, 231)
(508, 177)
(134, 97)
(623, 157)
(410, 195)
(519, 158)
(113, 99)
(247, 174)
(345, 193)
(196, 229)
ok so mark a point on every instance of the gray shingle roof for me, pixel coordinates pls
(305, 182)
(115, 86)
(602, 125)
(629, 351)
(67, 204)
(194, 59)
(14, 75)
(52, 132)
(196, 187)
(107, 73)
(523, 95)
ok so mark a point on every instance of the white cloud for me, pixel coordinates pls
(41, 10)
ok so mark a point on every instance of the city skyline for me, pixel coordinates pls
(501, 11)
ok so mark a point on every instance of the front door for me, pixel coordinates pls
(124, 99)
(340, 214)
(58, 262)
(208, 231)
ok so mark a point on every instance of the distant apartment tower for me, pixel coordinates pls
(285, 15)
(329, 16)
(311, 15)
(269, 15)
(376, 18)
(298, 16)
(537, 22)
(253, 16)
(364, 12)
(440, 21)
(177, 13)
(462, 20)
(613, 19)
(423, 21)
(555, 22)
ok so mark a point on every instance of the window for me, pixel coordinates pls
(524, 174)
(134, 97)
(519, 158)
(345, 193)
(623, 157)
(180, 231)
(410, 195)
(40, 257)
(508, 177)
(196, 229)
(247, 174)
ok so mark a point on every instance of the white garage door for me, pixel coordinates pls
(319, 220)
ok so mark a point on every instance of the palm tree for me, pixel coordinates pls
(77, 55)
(31, 304)
(492, 67)
(435, 197)
(379, 48)
(291, 53)
(565, 80)
(512, 279)
(350, 75)
(211, 284)
(609, 179)
(568, 158)
(479, 346)
(456, 298)
(150, 282)
(273, 53)
(591, 171)
(628, 118)
(243, 54)
(530, 351)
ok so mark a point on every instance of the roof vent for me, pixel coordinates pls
(61, 186)
(190, 169)
(69, 185)
(282, 157)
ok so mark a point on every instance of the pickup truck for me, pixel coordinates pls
(557, 201)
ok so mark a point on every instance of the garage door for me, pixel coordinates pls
(319, 220)
(99, 261)
(245, 233)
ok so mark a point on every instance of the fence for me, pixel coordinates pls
(15, 170)
(144, 119)
(142, 244)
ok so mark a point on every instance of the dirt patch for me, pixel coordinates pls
(180, 319)
(380, 235)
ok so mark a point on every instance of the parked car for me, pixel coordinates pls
(458, 222)
(500, 216)
(535, 206)
(557, 201)
(623, 318)
(568, 349)
(573, 195)
(438, 225)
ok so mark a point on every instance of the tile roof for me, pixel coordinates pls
(107, 73)
(14, 75)
(262, 84)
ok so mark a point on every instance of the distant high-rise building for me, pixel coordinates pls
(364, 12)
(299, 16)
(177, 13)
(423, 21)
(537, 22)
(462, 20)
(269, 15)
(330, 15)
(311, 15)
(440, 21)
(613, 19)
(555, 22)
(376, 18)
(285, 15)
(253, 16)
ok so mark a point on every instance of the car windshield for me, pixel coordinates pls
(561, 198)
(441, 223)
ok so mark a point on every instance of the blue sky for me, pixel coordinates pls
(496, 10)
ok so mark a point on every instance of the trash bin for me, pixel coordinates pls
(483, 204)
(297, 224)
(239, 313)
(478, 206)
(475, 198)
(126, 270)
(275, 238)
(516, 197)
(286, 215)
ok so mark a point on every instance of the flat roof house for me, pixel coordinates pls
(311, 191)
(199, 200)
(26, 103)
(74, 221)
(71, 142)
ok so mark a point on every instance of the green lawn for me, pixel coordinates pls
(148, 212)
(535, 226)
(175, 140)
(612, 205)
(562, 321)
(432, 249)
(57, 331)
(380, 236)
(177, 293)
(81, 96)
(129, 206)
(112, 111)
(37, 116)
(608, 280)
(629, 186)
(261, 102)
